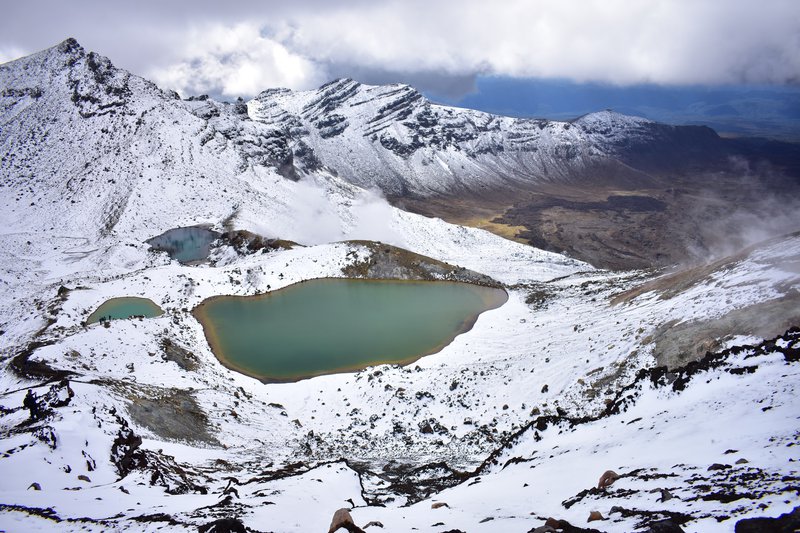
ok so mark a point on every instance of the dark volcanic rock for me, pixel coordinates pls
(332, 95)
(785, 523)
(553, 524)
(175, 415)
(223, 525)
(390, 262)
(178, 354)
(125, 452)
(247, 242)
(663, 526)
(331, 126)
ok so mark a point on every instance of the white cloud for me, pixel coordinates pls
(315, 218)
(236, 60)
(374, 220)
(269, 43)
(10, 53)
(617, 41)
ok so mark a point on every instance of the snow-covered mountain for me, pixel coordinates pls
(614, 190)
(138, 426)
(77, 131)
(75, 127)
(386, 137)
(393, 138)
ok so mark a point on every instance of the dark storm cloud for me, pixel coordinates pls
(439, 46)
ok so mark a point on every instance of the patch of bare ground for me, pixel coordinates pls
(390, 262)
(679, 344)
(483, 212)
(680, 280)
(683, 278)
(607, 226)
(627, 220)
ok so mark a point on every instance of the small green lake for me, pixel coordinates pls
(326, 326)
(185, 245)
(125, 307)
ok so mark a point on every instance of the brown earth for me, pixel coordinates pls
(621, 225)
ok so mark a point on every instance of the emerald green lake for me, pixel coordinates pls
(336, 325)
(185, 245)
(125, 307)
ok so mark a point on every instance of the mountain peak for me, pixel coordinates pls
(66, 53)
(70, 46)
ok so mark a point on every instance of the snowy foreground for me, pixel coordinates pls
(138, 427)
(537, 400)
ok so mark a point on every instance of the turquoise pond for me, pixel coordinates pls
(185, 245)
(336, 325)
(125, 307)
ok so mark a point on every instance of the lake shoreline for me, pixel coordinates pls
(492, 300)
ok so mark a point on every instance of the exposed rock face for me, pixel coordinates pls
(343, 520)
(785, 523)
(664, 526)
(173, 415)
(607, 479)
(390, 262)
(224, 525)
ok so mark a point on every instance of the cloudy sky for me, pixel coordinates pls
(239, 48)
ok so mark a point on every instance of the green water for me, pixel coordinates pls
(125, 307)
(335, 325)
(185, 245)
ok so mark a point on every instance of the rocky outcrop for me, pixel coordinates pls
(42, 407)
(390, 262)
(607, 479)
(343, 520)
(553, 525)
(126, 454)
(171, 351)
(785, 523)
(223, 525)
(246, 242)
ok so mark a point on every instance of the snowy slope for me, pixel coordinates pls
(96, 160)
(392, 138)
(579, 345)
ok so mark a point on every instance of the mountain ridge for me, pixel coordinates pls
(435, 149)
(73, 120)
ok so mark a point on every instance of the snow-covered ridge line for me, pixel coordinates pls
(92, 129)
(392, 137)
